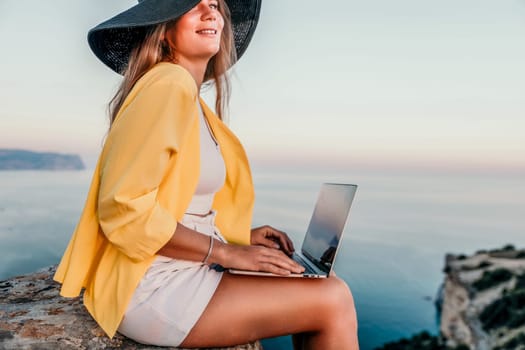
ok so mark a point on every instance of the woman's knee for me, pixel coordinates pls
(339, 291)
(339, 300)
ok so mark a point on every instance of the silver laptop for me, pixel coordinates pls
(323, 237)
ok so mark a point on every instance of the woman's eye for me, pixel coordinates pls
(214, 6)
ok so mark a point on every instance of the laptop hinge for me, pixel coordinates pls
(313, 262)
(311, 265)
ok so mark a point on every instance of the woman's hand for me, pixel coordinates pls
(256, 258)
(272, 238)
(268, 253)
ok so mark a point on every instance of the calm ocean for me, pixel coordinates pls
(400, 228)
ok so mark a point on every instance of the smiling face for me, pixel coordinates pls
(196, 36)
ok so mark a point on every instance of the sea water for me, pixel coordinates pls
(401, 225)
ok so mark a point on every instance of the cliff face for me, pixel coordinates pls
(483, 300)
(12, 159)
(34, 316)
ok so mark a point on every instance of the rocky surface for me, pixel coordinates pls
(15, 159)
(34, 316)
(474, 309)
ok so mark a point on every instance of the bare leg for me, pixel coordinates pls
(247, 308)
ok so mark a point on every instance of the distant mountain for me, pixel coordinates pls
(17, 159)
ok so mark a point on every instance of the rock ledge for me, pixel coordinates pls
(34, 316)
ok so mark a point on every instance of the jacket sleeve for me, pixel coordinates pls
(143, 138)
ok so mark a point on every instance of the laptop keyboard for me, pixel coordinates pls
(307, 268)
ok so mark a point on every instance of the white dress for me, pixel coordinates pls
(174, 293)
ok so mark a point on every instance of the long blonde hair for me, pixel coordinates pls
(152, 49)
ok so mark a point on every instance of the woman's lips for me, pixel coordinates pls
(207, 31)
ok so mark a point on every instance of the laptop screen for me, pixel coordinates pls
(327, 223)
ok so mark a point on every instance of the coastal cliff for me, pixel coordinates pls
(481, 304)
(34, 316)
(483, 300)
(16, 159)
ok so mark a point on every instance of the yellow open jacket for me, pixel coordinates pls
(145, 178)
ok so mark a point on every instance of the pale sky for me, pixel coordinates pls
(377, 80)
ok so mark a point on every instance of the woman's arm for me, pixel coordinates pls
(140, 145)
(189, 244)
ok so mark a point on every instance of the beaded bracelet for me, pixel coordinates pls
(209, 251)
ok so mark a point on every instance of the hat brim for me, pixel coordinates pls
(112, 40)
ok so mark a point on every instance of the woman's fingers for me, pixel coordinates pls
(272, 238)
(279, 259)
(269, 243)
(259, 258)
(259, 236)
(284, 241)
(289, 244)
(275, 270)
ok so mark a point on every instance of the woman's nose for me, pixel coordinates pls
(209, 15)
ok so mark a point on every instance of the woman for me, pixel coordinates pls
(171, 198)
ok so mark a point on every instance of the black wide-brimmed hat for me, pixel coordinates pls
(113, 40)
